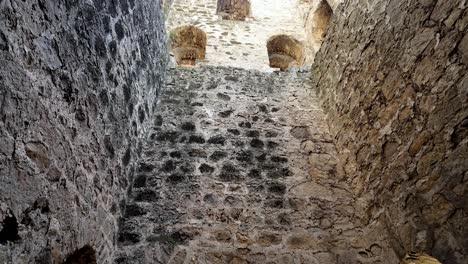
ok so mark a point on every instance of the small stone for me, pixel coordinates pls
(277, 188)
(146, 196)
(263, 108)
(223, 96)
(38, 153)
(140, 181)
(145, 167)
(175, 154)
(253, 133)
(199, 153)
(225, 114)
(205, 168)
(301, 241)
(235, 132)
(168, 136)
(222, 236)
(274, 203)
(267, 239)
(279, 173)
(255, 174)
(176, 178)
(54, 174)
(129, 238)
(218, 155)
(256, 143)
(261, 158)
(245, 124)
(300, 132)
(279, 159)
(244, 156)
(219, 140)
(196, 139)
(169, 166)
(133, 210)
(158, 120)
(270, 134)
(210, 199)
(188, 126)
(419, 142)
(229, 172)
(272, 144)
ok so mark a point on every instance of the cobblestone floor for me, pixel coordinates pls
(240, 168)
(239, 43)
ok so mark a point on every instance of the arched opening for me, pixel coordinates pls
(321, 20)
(233, 9)
(84, 255)
(285, 51)
(188, 43)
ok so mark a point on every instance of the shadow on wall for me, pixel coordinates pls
(84, 255)
(321, 20)
(285, 51)
(188, 44)
(9, 232)
(233, 9)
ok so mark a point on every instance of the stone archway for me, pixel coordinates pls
(233, 9)
(321, 19)
(84, 255)
(188, 43)
(285, 51)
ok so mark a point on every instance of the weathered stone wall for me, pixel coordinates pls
(78, 80)
(392, 77)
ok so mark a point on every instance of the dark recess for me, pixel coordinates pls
(9, 233)
(84, 255)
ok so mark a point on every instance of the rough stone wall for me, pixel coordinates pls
(78, 80)
(392, 78)
(240, 168)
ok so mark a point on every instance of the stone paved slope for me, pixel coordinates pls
(240, 168)
(240, 43)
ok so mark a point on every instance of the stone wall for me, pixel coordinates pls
(392, 77)
(78, 80)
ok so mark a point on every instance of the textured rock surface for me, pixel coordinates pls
(78, 80)
(240, 168)
(396, 95)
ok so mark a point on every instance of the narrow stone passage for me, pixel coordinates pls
(240, 168)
